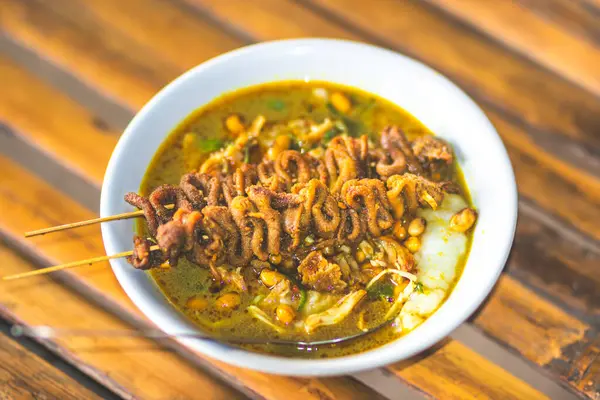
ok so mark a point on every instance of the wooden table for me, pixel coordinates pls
(73, 72)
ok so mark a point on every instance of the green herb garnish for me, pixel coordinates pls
(247, 154)
(359, 111)
(355, 128)
(419, 287)
(383, 291)
(332, 108)
(330, 134)
(302, 302)
(209, 145)
(276, 105)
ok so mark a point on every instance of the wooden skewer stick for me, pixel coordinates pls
(132, 214)
(73, 264)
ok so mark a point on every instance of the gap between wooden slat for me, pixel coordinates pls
(24, 375)
(522, 31)
(107, 108)
(574, 16)
(45, 166)
(488, 348)
(57, 362)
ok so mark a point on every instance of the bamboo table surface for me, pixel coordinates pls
(73, 73)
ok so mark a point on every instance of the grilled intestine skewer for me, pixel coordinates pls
(312, 183)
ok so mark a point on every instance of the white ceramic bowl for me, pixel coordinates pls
(420, 90)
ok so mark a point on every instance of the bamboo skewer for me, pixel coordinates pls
(73, 264)
(127, 215)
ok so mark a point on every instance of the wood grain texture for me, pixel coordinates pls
(575, 16)
(120, 364)
(541, 338)
(530, 35)
(23, 375)
(465, 384)
(21, 207)
(116, 62)
(64, 128)
(272, 19)
(557, 261)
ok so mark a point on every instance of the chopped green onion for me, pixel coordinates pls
(419, 287)
(364, 108)
(355, 128)
(303, 297)
(332, 109)
(276, 105)
(309, 240)
(247, 154)
(209, 145)
(258, 299)
(330, 134)
(384, 291)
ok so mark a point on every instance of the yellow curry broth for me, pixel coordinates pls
(278, 102)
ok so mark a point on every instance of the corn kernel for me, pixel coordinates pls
(234, 125)
(285, 313)
(399, 231)
(280, 144)
(270, 278)
(413, 244)
(275, 258)
(341, 102)
(228, 301)
(360, 256)
(463, 220)
(416, 227)
(196, 303)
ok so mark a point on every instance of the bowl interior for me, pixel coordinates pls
(423, 92)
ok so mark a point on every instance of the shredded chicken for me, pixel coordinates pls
(335, 314)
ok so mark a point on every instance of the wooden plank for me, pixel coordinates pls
(585, 372)
(23, 375)
(532, 173)
(543, 337)
(533, 37)
(127, 366)
(21, 194)
(576, 16)
(540, 175)
(270, 19)
(445, 381)
(65, 128)
(119, 63)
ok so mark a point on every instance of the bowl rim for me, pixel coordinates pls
(293, 366)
